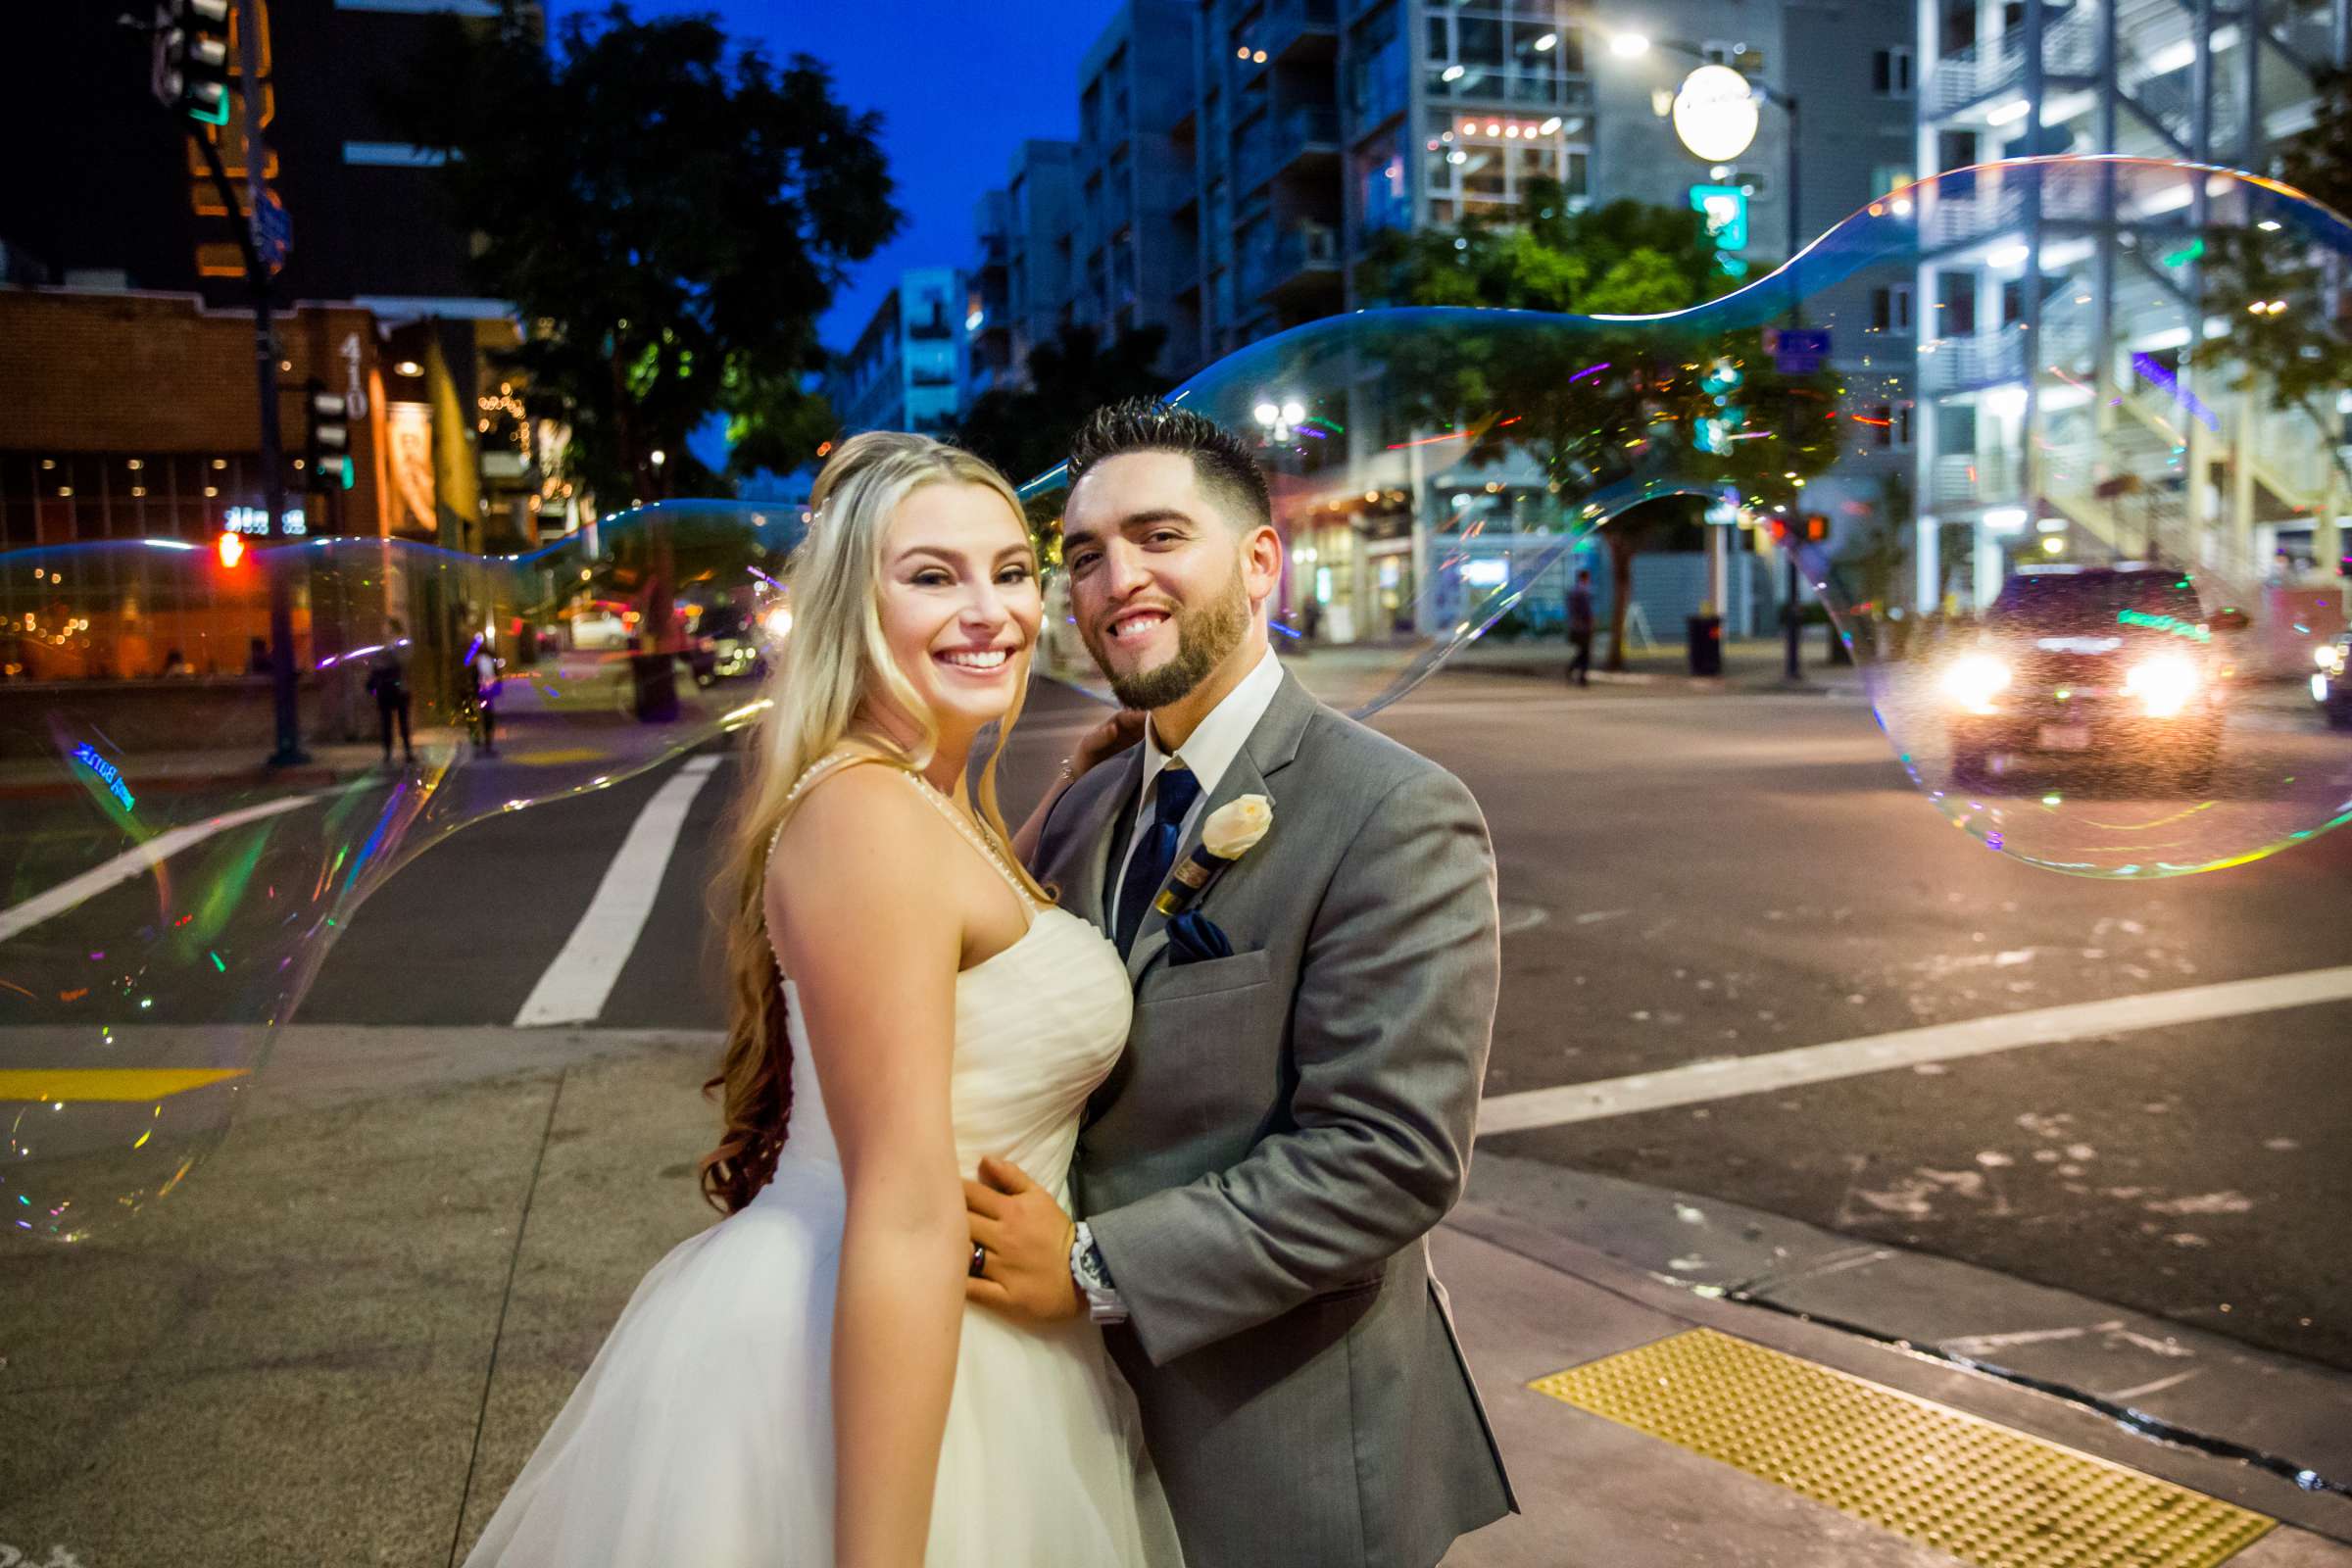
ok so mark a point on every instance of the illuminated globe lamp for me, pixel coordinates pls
(1715, 113)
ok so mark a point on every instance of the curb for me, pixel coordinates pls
(2284, 1424)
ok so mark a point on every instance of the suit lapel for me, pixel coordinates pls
(1269, 750)
(1093, 843)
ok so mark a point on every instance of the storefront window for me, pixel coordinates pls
(1490, 160)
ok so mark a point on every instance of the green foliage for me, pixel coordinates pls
(1663, 406)
(2317, 160)
(1026, 430)
(671, 211)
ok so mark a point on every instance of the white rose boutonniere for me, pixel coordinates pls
(1230, 832)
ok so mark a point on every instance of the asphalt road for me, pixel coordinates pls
(1687, 877)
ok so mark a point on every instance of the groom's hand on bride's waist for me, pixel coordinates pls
(1026, 1241)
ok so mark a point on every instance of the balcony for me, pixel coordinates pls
(1973, 480)
(1304, 140)
(1300, 260)
(1302, 29)
(1981, 360)
(2070, 47)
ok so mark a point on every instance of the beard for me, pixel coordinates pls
(1203, 638)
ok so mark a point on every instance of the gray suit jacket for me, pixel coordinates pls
(1284, 1130)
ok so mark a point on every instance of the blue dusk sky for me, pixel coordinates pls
(960, 87)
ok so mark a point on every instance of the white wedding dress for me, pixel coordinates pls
(702, 1436)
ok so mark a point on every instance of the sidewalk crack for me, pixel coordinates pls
(482, 1414)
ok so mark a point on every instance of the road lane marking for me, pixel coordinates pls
(132, 863)
(129, 1085)
(1702, 1081)
(575, 986)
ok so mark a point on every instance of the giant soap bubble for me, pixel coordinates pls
(2072, 431)
(171, 883)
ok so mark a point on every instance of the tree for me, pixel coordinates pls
(670, 214)
(1647, 410)
(1026, 430)
(2284, 283)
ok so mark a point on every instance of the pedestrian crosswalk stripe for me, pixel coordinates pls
(127, 1085)
(1701, 1082)
(573, 988)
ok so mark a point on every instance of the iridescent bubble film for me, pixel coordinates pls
(172, 882)
(2058, 444)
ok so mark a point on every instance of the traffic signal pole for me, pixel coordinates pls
(289, 752)
(1792, 666)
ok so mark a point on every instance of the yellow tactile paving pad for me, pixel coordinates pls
(1982, 1493)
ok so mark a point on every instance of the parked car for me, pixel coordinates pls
(2112, 665)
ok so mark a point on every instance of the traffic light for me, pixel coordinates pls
(329, 447)
(191, 59)
(231, 546)
(1817, 528)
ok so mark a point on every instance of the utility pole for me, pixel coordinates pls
(1792, 666)
(190, 79)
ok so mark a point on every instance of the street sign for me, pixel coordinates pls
(1726, 207)
(272, 231)
(1796, 350)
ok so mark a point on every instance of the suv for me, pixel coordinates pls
(2115, 664)
(2332, 686)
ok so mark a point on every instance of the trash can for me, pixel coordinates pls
(1706, 645)
(654, 679)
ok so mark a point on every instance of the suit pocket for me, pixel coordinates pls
(1207, 977)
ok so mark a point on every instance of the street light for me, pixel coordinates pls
(1634, 45)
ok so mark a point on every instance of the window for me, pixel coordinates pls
(1739, 55)
(1884, 178)
(1384, 196)
(1890, 309)
(1889, 425)
(1891, 72)
(1377, 70)
(1480, 51)
(1487, 161)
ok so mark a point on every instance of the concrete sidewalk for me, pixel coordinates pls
(339, 1343)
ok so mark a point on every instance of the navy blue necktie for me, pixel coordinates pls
(1155, 856)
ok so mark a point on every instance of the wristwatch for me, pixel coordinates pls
(1102, 1301)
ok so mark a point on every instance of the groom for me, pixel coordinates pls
(1292, 1116)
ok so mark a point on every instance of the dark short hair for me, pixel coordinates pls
(1220, 462)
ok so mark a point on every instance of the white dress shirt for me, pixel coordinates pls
(1208, 752)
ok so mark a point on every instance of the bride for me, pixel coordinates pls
(802, 1385)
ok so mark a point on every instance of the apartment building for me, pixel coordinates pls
(2052, 383)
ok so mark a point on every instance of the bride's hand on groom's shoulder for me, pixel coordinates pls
(1107, 740)
(1027, 1237)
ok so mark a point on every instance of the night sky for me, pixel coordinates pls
(959, 86)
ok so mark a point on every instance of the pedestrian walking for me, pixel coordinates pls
(483, 668)
(1579, 628)
(388, 684)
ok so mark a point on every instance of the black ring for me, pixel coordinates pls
(979, 1260)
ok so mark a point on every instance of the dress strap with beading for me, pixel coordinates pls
(832, 763)
(972, 836)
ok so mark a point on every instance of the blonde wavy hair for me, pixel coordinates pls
(834, 663)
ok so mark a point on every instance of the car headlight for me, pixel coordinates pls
(2329, 658)
(778, 623)
(1976, 680)
(2163, 684)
